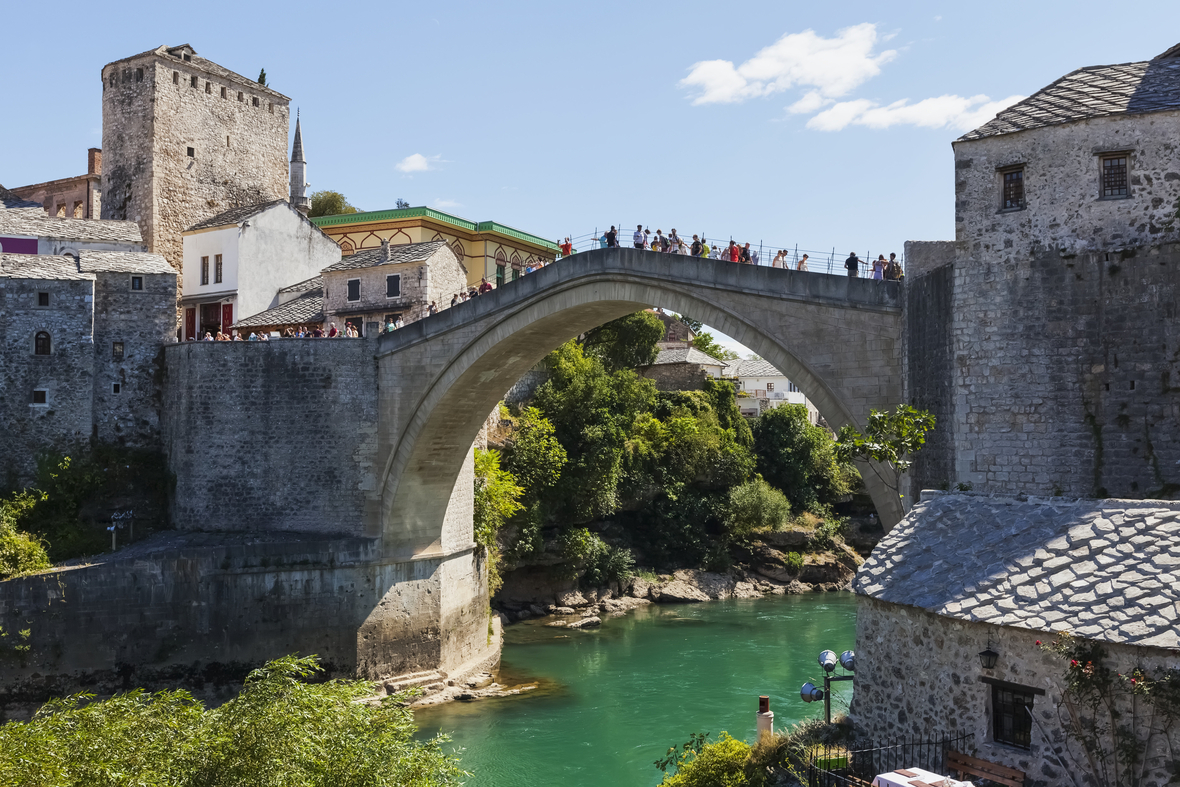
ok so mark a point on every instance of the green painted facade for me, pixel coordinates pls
(437, 215)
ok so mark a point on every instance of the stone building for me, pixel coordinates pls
(79, 197)
(27, 230)
(1106, 570)
(185, 138)
(237, 263)
(487, 249)
(80, 338)
(1045, 337)
(682, 369)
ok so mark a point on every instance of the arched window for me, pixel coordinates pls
(346, 248)
(41, 343)
(516, 264)
(457, 247)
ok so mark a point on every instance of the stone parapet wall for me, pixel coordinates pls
(922, 257)
(918, 675)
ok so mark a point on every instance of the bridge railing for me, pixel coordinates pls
(818, 260)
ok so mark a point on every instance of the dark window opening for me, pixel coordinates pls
(217, 268)
(208, 86)
(1132, 385)
(42, 299)
(41, 343)
(241, 96)
(188, 57)
(1014, 189)
(139, 75)
(1011, 717)
(356, 322)
(271, 106)
(40, 397)
(1114, 176)
(193, 81)
(117, 350)
(354, 289)
(137, 282)
(254, 100)
(393, 286)
(126, 76)
(499, 275)
(115, 388)
(223, 92)
(192, 153)
(176, 77)
(204, 270)
(515, 273)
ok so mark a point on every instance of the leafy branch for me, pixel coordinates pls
(890, 440)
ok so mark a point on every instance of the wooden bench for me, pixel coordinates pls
(972, 766)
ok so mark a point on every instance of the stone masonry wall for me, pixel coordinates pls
(272, 436)
(421, 283)
(918, 676)
(150, 122)
(66, 374)
(929, 370)
(675, 376)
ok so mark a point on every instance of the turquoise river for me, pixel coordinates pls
(611, 701)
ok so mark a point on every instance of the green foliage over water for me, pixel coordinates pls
(286, 728)
(799, 458)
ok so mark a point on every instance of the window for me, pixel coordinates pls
(41, 343)
(217, 268)
(227, 140)
(117, 351)
(176, 77)
(115, 388)
(1013, 189)
(354, 289)
(40, 397)
(1011, 719)
(499, 275)
(515, 273)
(187, 57)
(770, 386)
(208, 86)
(346, 248)
(193, 81)
(42, 299)
(1114, 176)
(393, 285)
(223, 92)
(61, 210)
(126, 75)
(137, 283)
(241, 96)
(254, 100)
(204, 270)
(78, 209)
(192, 153)
(139, 75)
(270, 105)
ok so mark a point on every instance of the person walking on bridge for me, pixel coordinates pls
(705, 250)
(801, 265)
(735, 253)
(612, 238)
(566, 247)
(696, 246)
(640, 237)
(853, 265)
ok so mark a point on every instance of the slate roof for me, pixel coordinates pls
(34, 223)
(303, 310)
(406, 252)
(40, 266)
(235, 215)
(1102, 569)
(314, 282)
(207, 66)
(122, 262)
(753, 369)
(686, 355)
(9, 200)
(1096, 91)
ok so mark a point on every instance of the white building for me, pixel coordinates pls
(761, 385)
(236, 262)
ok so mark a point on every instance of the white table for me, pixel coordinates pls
(895, 779)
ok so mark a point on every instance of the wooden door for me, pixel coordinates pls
(190, 323)
(227, 316)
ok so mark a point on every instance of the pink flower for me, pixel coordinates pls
(1038, 643)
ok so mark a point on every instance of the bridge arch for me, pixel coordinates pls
(837, 339)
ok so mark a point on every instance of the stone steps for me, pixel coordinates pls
(413, 680)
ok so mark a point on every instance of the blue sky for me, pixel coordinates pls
(784, 123)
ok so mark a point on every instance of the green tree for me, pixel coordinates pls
(799, 458)
(402, 204)
(756, 505)
(20, 552)
(286, 727)
(626, 342)
(706, 343)
(533, 454)
(891, 439)
(497, 497)
(262, 77)
(329, 203)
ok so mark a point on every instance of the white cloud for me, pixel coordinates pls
(809, 103)
(417, 163)
(446, 204)
(951, 112)
(833, 67)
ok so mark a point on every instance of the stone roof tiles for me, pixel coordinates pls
(40, 266)
(1096, 91)
(9, 200)
(235, 215)
(314, 282)
(122, 262)
(398, 254)
(305, 309)
(205, 65)
(1102, 569)
(686, 355)
(756, 368)
(34, 223)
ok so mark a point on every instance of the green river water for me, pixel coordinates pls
(612, 700)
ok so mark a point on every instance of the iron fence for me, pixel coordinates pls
(839, 766)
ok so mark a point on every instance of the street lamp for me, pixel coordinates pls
(828, 660)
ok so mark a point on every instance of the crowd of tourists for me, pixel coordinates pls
(880, 269)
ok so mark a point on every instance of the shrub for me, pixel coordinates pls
(794, 563)
(496, 496)
(828, 533)
(598, 562)
(756, 505)
(20, 552)
(722, 763)
(799, 458)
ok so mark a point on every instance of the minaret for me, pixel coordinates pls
(299, 172)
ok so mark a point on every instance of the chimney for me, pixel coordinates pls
(385, 248)
(94, 161)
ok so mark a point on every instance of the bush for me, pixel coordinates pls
(756, 505)
(598, 562)
(723, 763)
(284, 728)
(828, 533)
(794, 563)
(20, 552)
(799, 458)
(496, 496)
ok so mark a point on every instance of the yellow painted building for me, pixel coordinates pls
(487, 250)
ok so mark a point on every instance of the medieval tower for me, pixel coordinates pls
(299, 172)
(183, 139)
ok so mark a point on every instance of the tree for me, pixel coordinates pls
(706, 343)
(262, 77)
(756, 505)
(626, 342)
(890, 440)
(402, 204)
(287, 726)
(799, 458)
(497, 497)
(533, 455)
(330, 203)
(20, 552)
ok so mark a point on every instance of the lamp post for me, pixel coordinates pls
(811, 693)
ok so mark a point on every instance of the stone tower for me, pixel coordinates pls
(183, 139)
(299, 172)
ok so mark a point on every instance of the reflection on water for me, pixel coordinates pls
(611, 701)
